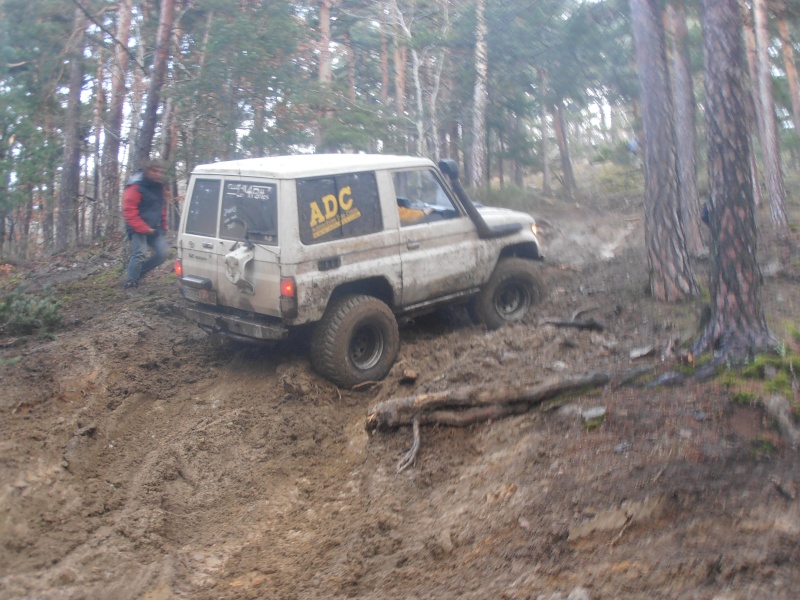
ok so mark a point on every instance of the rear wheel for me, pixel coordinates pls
(356, 341)
(514, 287)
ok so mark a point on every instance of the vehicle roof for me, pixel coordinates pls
(310, 165)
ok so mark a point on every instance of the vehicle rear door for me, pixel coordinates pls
(248, 273)
(199, 241)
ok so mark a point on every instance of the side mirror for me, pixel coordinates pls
(449, 167)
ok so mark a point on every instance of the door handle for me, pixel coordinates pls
(208, 245)
(412, 245)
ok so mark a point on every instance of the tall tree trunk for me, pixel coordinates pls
(685, 128)
(259, 120)
(671, 277)
(325, 68)
(791, 71)
(191, 143)
(455, 139)
(773, 173)
(518, 171)
(753, 102)
(99, 110)
(325, 73)
(419, 120)
(48, 216)
(559, 125)
(480, 98)
(70, 174)
(147, 133)
(384, 9)
(351, 69)
(547, 188)
(737, 327)
(137, 97)
(25, 225)
(400, 62)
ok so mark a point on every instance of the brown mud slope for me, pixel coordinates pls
(139, 459)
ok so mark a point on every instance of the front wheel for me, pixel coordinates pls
(356, 341)
(514, 287)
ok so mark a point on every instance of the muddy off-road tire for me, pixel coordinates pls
(356, 340)
(514, 287)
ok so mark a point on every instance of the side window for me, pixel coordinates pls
(421, 198)
(249, 211)
(338, 207)
(203, 208)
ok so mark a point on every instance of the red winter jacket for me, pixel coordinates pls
(143, 205)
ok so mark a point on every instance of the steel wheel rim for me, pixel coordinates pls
(512, 301)
(366, 347)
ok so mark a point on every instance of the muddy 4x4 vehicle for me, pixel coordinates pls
(272, 244)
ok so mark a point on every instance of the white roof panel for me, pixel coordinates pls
(310, 165)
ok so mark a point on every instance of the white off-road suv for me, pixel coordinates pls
(344, 244)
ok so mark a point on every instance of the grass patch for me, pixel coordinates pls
(744, 397)
(765, 375)
(763, 447)
(7, 362)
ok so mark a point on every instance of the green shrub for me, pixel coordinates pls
(22, 313)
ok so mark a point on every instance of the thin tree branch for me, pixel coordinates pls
(94, 20)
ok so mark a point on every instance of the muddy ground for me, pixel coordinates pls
(140, 459)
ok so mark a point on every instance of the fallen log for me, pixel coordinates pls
(589, 324)
(467, 405)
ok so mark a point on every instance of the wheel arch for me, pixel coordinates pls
(378, 287)
(529, 250)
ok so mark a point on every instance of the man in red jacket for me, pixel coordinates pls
(145, 213)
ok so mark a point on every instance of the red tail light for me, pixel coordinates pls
(178, 268)
(287, 287)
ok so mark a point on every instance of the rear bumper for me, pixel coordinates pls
(235, 326)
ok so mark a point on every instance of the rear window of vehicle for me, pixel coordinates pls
(338, 207)
(203, 208)
(249, 211)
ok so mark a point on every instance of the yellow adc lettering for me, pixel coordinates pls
(332, 206)
(345, 204)
(316, 215)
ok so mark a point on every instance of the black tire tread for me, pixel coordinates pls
(481, 307)
(327, 356)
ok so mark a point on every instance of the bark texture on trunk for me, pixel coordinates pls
(156, 81)
(570, 186)
(791, 71)
(546, 183)
(752, 101)
(384, 54)
(773, 173)
(110, 166)
(480, 99)
(671, 277)
(737, 327)
(71, 172)
(685, 114)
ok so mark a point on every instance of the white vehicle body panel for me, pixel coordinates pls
(232, 270)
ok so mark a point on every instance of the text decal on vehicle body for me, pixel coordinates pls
(338, 207)
(332, 219)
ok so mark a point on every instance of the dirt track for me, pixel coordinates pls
(141, 460)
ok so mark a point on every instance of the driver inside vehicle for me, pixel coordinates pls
(411, 213)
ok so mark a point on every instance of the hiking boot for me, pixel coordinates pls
(130, 285)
